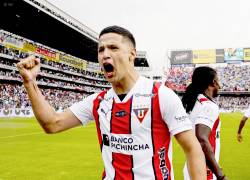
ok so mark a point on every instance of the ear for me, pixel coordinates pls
(132, 55)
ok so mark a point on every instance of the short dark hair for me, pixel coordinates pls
(119, 30)
(202, 77)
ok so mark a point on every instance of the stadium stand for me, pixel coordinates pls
(67, 50)
(233, 75)
(62, 83)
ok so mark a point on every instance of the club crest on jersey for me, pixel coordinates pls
(140, 113)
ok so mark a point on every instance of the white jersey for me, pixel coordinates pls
(135, 133)
(206, 112)
(247, 112)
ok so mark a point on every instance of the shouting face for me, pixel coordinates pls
(116, 56)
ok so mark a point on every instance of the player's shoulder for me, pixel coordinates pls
(168, 95)
(166, 90)
(207, 103)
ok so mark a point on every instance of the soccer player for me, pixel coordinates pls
(242, 124)
(135, 119)
(204, 114)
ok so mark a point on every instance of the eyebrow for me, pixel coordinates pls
(108, 45)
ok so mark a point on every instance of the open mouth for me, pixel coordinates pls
(108, 67)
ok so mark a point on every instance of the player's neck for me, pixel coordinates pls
(208, 93)
(125, 84)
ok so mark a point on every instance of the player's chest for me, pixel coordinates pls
(132, 115)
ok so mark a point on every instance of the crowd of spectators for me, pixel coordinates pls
(178, 78)
(15, 96)
(17, 54)
(52, 73)
(64, 84)
(61, 83)
(231, 103)
(233, 77)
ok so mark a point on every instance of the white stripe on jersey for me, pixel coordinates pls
(143, 131)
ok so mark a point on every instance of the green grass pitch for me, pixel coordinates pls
(27, 153)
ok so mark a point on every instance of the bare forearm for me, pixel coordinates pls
(196, 157)
(43, 111)
(242, 124)
(210, 159)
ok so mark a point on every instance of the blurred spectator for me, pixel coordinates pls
(14, 96)
(233, 78)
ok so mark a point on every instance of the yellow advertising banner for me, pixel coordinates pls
(57, 59)
(28, 47)
(84, 65)
(13, 43)
(246, 54)
(72, 61)
(11, 46)
(204, 56)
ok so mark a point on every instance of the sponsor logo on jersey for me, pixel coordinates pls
(123, 143)
(144, 95)
(105, 139)
(140, 113)
(163, 166)
(126, 144)
(181, 119)
(120, 113)
(105, 98)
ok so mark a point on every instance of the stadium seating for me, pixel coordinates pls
(61, 83)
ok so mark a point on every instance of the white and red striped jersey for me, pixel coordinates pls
(135, 133)
(206, 112)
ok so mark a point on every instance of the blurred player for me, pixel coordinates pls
(135, 119)
(204, 113)
(242, 124)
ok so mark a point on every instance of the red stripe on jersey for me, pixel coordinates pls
(103, 174)
(212, 136)
(121, 124)
(212, 140)
(203, 99)
(96, 105)
(121, 118)
(123, 166)
(97, 102)
(160, 138)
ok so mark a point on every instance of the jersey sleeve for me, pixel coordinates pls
(208, 114)
(83, 109)
(247, 113)
(173, 111)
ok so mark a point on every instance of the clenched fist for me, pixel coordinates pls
(29, 68)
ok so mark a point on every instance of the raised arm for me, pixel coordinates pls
(202, 133)
(194, 155)
(242, 124)
(50, 120)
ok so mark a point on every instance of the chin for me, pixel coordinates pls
(110, 80)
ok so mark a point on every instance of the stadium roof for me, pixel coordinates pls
(42, 22)
(23, 19)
